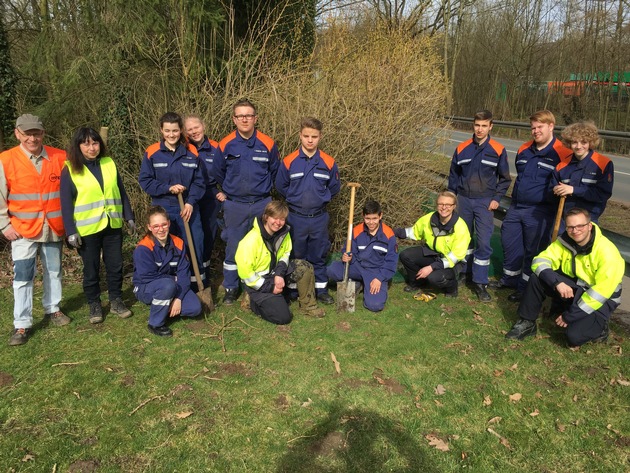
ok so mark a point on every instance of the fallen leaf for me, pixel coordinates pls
(438, 403)
(440, 390)
(183, 415)
(464, 455)
(454, 437)
(292, 345)
(502, 439)
(76, 394)
(408, 317)
(514, 367)
(476, 312)
(575, 398)
(28, 458)
(334, 360)
(515, 397)
(379, 380)
(623, 382)
(487, 401)
(437, 443)
(618, 350)
(538, 395)
(610, 427)
(307, 403)
(498, 373)
(561, 427)
(535, 413)
(495, 420)
(478, 318)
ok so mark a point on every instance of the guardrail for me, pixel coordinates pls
(616, 135)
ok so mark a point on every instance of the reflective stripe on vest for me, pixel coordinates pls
(93, 207)
(27, 209)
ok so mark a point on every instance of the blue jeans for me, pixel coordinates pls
(24, 254)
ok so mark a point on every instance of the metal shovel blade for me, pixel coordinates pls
(205, 296)
(346, 296)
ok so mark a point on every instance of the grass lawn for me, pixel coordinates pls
(422, 387)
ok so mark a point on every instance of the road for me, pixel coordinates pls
(621, 189)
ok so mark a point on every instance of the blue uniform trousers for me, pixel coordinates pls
(373, 302)
(239, 217)
(209, 208)
(578, 332)
(525, 232)
(159, 294)
(480, 224)
(309, 236)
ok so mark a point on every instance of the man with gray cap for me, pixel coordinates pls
(30, 217)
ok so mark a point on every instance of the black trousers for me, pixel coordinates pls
(417, 257)
(273, 308)
(579, 331)
(109, 243)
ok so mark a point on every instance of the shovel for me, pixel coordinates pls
(346, 289)
(204, 294)
(556, 224)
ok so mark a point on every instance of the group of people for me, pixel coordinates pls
(277, 250)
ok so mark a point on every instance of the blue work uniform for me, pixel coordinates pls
(246, 170)
(209, 206)
(479, 175)
(161, 274)
(162, 168)
(592, 179)
(373, 257)
(526, 229)
(308, 184)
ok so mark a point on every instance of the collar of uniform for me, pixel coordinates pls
(249, 142)
(582, 162)
(204, 145)
(43, 154)
(544, 151)
(303, 155)
(474, 138)
(446, 227)
(367, 230)
(178, 151)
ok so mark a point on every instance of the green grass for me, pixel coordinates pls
(272, 401)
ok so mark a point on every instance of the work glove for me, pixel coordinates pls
(75, 241)
(400, 232)
(131, 228)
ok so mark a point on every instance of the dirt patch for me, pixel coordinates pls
(180, 388)
(89, 440)
(282, 401)
(540, 382)
(84, 466)
(623, 442)
(622, 319)
(127, 381)
(333, 442)
(5, 379)
(615, 217)
(391, 384)
(344, 326)
(283, 328)
(198, 326)
(229, 369)
(354, 383)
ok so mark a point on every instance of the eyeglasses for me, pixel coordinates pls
(159, 226)
(241, 118)
(446, 206)
(31, 133)
(576, 228)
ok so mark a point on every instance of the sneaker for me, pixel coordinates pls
(96, 312)
(315, 312)
(410, 288)
(516, 296)
(230, 296)
(603, 337)
(325, 298)
(482, 292)
(522, 329)
(497, 285)
(118, 307)
(19, 336)
(59, 319)
(453, 294)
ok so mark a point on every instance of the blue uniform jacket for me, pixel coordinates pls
(592, 180)
(480, 171)
(534, 169)
(246, 169)
(153, 261)
(207, 150)
(375, 255)
(306, 183)
(161, 168)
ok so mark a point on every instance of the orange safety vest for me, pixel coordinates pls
(33, 197)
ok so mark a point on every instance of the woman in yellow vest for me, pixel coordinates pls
(93, 205)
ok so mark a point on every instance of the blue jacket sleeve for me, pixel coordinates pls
(148, 181)
(274, 162)
(454, 173)
(504, 179)
(127, 209)
(391, 261)
(68, 194)
(145, 269)
(219, 166)
(282, 180)
(334, 185)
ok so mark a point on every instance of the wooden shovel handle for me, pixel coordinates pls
(191, 247)
(353, 188)
(556, 224)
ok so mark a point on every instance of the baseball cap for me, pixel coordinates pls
(29, 122)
